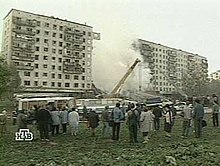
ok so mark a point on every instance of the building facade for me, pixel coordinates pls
(52, 55)
(169, 66)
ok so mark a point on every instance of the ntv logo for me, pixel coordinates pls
(24, 135)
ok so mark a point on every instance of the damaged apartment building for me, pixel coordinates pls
(169, 65)
(51, 55)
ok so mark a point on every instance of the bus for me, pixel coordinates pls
(58, 102)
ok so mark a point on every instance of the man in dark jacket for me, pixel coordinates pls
(93, 120)
(157, 111)
(117, 117)
(198, 115)
(43, 117)
(132, 122)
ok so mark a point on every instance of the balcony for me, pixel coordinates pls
(23, 49)
(72, 40)
(24, 67)
(172, 59)
(22, 58)
(74, 48)
(73, 56)
(171, 53)
(30, 23)
(146, 47)
(21, 31)
(20, 38)
(73, 32)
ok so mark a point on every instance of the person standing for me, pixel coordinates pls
(14, 117)
(55, 116)
(198, 115)
(146, 123)
(117, 116)
(22, 120)
(215, 112)
(132, 122)
(168, 120)
(3, 121)
(157, 115)
(187, 119)
(64, 119)
(43, 117)
(93, 121)
(73, 119)
(105, 117)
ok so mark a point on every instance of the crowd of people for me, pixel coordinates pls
(48, 120)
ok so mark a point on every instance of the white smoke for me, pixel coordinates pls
(114, 54)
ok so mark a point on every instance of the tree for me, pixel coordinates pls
(9, 80)
(195, 81)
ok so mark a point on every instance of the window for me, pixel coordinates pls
(60, 60)
(84, 47)
(60, 52)
(67, 77)
(59, 84)
(45, 66)
(37, 39)
(38, 31)
(76, 77)
(44, 74)
(36, 74)
(59, 76)
(52, 83)
(54, 43)
(27, 83)
(35, 83)
(61, 35)
(76, 85)
(83, 77)
(60, 68)
(84, 32)
(67, 84)
(46, 49)
(61, 28)
(89, 33)
(46, 32)
(53, 58)
(60, 44)
(37, 48)
(54, 51)
(84, 40)
(88, 85)
(54, 27)
(54, 34)
(47, 24)
(53, 67)
(45, 57)
(53, 75)
(44, 83)
(36, 57)
(83, 85)
(36, 66)
(46, 41)
(38, 23)
(27, 73)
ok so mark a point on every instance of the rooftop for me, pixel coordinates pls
(51, 17)
(173, 48)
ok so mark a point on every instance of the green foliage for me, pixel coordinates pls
(9, 80)
(84, 150)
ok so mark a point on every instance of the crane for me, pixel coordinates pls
(118, 86)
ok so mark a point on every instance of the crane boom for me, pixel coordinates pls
(123, 79)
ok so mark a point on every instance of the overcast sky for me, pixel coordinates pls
(193, 26)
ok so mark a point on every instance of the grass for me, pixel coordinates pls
(84, 150)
